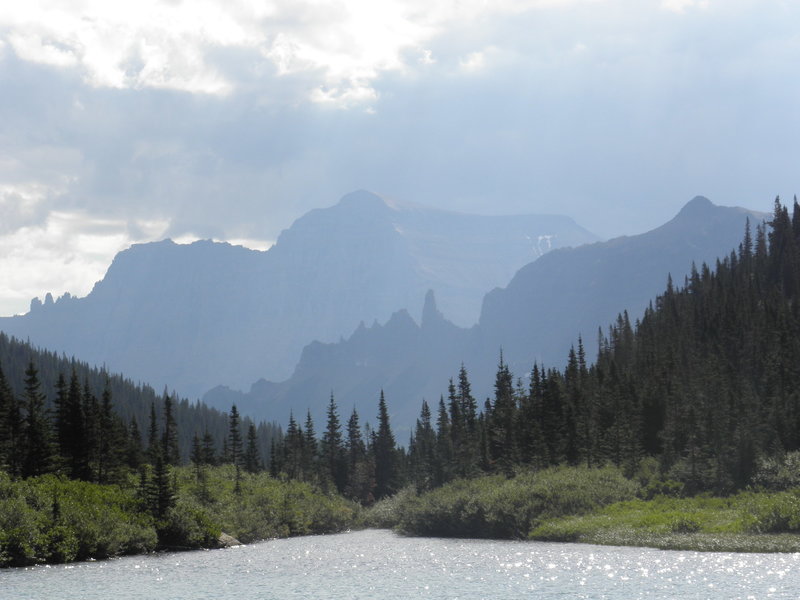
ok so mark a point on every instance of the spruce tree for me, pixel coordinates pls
(134, 452)
(10, 427)
(386, 467)
(332, 449)
(444, 467)
(37, 434)
(154, 447)
(310, 454)
(360, 469)
(209, 455)
(422, 455)
(235, 444)
(252, 460)
(169, 439)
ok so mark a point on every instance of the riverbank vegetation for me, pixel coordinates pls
(51, 519)
(598, 506)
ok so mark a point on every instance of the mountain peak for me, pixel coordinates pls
(697, 206)
(362, 199)
(430, 314)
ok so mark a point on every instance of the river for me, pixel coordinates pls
(379, 564)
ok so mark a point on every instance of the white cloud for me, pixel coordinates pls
(69, 252)
(680, 6)
(170, 45)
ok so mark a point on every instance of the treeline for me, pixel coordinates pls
(130, 400)
(707, 383)
(83, 437)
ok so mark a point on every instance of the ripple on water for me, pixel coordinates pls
(379, 564)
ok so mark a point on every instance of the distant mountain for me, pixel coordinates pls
(551, 301)
(547, 305)
(407, 360)
(195, 316)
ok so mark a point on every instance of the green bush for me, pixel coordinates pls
(47, 519)
(778, 513)
(496, 507)
(50, 519)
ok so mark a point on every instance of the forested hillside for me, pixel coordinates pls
(706, 384)
(131, 404)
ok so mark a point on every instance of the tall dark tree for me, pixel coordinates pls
(423, 451)
(252, 458)
(332, 452)
(11, 455)
(38, 452)
(444, 469)
(502, 422)
(360, 468)
(310, 452)
(235, 444)
(385, 451)
(134, 455)
(154, 445)
(293, 450)
(169, 438)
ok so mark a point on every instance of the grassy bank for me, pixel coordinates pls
(597, 506)
(52, 520)
(746, 522)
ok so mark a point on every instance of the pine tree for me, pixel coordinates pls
(10, 428)
(90, 408)
(422, 455)
(235, 445)
(332, 449)
(154, 447)
(201, 477)
(502, 436)
(386, 467)
(360, 469)
(76, 443)
(252, 460)
(444, 469)
(293, 449)
(160, 492)
(37, 435)
(134, 453)
(209, 455)
(309, 450)
(169, 439)
(469, 454)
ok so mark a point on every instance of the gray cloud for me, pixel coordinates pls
(615, 113)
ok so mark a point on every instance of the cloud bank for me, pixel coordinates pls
(124, 122)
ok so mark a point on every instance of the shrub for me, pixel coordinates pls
(496, 507)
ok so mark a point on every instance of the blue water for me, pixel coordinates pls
(380, 564)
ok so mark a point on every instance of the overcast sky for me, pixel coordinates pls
(123, 122)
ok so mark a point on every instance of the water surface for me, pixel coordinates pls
(379, 564)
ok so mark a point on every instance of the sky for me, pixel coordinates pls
(127, 122)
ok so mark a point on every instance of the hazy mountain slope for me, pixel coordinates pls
(408, 361)
(547, 305)
(551, 301)
(205, 314)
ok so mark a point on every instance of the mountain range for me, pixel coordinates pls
(546, 306)
(199, 315)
